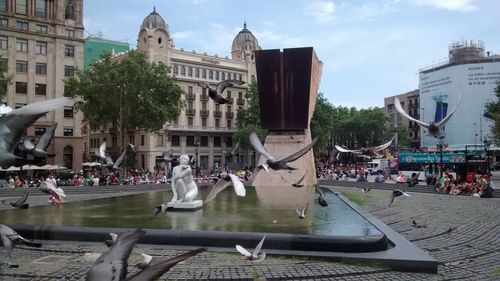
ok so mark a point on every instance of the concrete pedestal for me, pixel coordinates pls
(185, 206)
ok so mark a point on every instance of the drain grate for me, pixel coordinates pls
(50, 259)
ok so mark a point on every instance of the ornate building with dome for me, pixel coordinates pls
(203, 129)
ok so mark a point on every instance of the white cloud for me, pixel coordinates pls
(373, 10)
(452, 5)
(183, 34)
(322, 11)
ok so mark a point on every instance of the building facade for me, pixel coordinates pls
(471, 73)
(41, 42)
(203, 129)
(411, 104)
(94, 47)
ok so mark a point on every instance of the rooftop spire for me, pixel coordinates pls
(245, 25)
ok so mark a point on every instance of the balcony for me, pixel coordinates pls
(229, 115)
(204, 97)
(190, 112)
(230, 100)
(217, 114)
(240, 101)
(204, 112)
(190, 96)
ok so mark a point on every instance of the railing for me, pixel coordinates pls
(190, 111)
(200, 128)
(204, 97)
(229, 115)
(190, 96)
(230, 100)
(204, 112)
(218, 114)
(240, 101)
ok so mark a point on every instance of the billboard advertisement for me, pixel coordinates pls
(440, 90)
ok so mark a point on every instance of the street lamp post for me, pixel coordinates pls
(441, 155)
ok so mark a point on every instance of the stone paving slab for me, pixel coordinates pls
(471, 251)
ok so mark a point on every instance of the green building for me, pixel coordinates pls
(94, 47)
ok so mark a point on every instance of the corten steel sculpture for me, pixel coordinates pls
(288, 84)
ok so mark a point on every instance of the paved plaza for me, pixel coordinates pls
(470, 251)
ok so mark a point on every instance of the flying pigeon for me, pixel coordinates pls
(297, 183)
(367, 151)
(414, 179)
(226, 180)
(302, 213)
(154, 267)
(167, 156)
(435, 129)
(159, 209)
(280, 164)
(256, 256)
(216, 93)
(101, 152)
(20, 203)
(397, 193)
(12, 126)
(50, 189)
(42, 144)
(110, 243)
(112, 264)
(115, 165)
(321, 199)
(233, 152)
(366, 189)
(10, 238)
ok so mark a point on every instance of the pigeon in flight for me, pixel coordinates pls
(227, 179)
(233, 152)
(20, 203)
(109, 163)
(435, 129)
(216, 93)
(101, 152)
(366, 189)
(367, 151)
(321, 199)
(111, 241)
(50, 189)
(159, 209)
(40, 149)
(280, 164)
(12, 126)
(256, 256)
(296, 184)
(112, 264)
(414, 179)
(154, 267)
(10, 238)
(397, 193)
(302, 213)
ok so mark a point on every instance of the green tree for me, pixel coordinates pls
(127, 93)
(5, 78)
(249, 118)
(322, 124)
(493, 112)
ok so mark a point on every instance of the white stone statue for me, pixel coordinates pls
(183, 185)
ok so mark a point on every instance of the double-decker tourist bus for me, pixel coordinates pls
(410, 162)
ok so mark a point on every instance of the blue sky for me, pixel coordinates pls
(370, 49)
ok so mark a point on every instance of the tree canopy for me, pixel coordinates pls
(141, 94)
(5, 78)
(493, 112)
(249, 118)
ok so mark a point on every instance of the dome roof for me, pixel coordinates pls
(154, 20)
(245, 40)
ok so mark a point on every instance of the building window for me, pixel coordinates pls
(176, 140)
(40, 9)
(68, 157)
(69, 51)
(217, 75)
(22, 25)
(19, 105)
(211, 74)
(4, 42)
(189, 140)
(41, 48)
(142, 140)
(68, 112)
(190, 121)
(41, 89)
(190, 89)
(22, 45)
(229, 123)
(217, 141)
(204, 74)
(229, 141)
(176, 69)
(197, 73)
(4, 62)
(69, 33)
(223, 76)
(21, 66)
(131, 139)
(4, 22)
(3, 6)
(41, 29)
(159, 140)
(21, 88)
(217, 123)
(203, 122)
(41, 68)
(204, 141)
(68, 132)
(183, 70)
(21, 7)
(40, 131)
(190, 71)
(69, 71)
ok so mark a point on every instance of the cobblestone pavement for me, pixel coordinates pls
(470, 251)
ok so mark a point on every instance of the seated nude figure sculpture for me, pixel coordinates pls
(183, 186)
